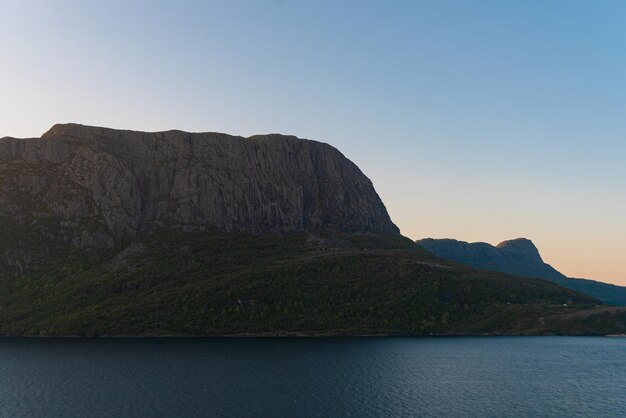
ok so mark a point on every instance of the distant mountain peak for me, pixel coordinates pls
(523, 247)
(517, 241)
(520, 257)
(517, 256)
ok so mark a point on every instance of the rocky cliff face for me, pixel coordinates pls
(519, 257)
(102, 185)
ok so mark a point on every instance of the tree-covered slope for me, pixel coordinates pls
(321, 283)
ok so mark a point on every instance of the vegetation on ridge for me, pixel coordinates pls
(313, 284)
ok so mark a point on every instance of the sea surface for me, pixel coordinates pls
(334, 377)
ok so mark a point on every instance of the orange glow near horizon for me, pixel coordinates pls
(565, 230)
(575, 258)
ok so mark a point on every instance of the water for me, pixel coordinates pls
(360, 377)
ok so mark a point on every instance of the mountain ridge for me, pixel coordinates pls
(123, 183)
(520, 257)
(126, 233)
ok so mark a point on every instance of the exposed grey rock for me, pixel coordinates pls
(107, 185)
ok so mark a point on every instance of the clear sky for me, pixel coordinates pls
(476, 120)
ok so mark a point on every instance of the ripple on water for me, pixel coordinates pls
(360, 377)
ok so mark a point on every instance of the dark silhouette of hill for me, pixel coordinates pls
(519, 257)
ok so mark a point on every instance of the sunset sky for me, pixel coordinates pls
(476, 120)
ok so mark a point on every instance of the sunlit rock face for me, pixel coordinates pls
(103, 185)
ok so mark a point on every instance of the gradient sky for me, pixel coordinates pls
(476, 120)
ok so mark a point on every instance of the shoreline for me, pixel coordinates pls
(298, 335)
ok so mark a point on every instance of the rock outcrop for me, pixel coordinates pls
(102, 185)
(519, 257)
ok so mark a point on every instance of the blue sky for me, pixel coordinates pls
(481, 120)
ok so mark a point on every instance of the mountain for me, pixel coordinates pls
(109, 232)
(104, 185)
(519, 257)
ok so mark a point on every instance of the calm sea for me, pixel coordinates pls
(359, 377)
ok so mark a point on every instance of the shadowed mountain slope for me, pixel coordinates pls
(519, 257)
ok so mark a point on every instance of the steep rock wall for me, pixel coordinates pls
(105, 184)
